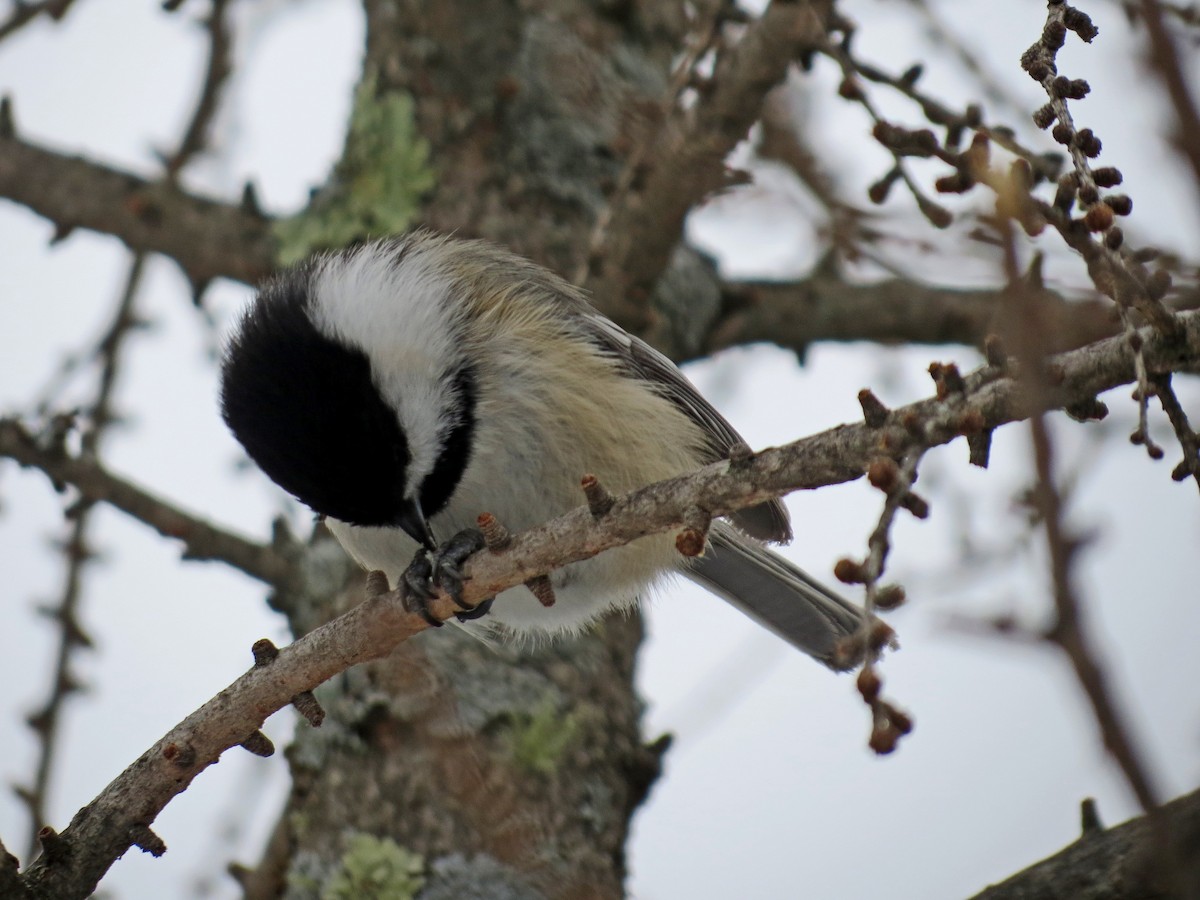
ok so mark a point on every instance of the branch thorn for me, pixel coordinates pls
(259, 744)
(691, 540)
(874, 412)
(146, 840)
(495, 536)
(541, 588)
(308, 706)
(599, 500)
(264, 652)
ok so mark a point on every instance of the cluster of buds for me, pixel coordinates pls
(888, 724)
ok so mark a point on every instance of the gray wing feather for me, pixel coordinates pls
(767, 521)
(776, 594)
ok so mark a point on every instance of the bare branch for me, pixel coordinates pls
(691, 159)
(208, 239)
(203, 540)
(824, 306)
(77, 554)
(1068, 631)
(220, 64)
(1189, 439)
(1112, 864)
(100, 417)
(102, 830)
(1165, 59)
(25, 12)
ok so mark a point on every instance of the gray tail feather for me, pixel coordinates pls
(777, 595)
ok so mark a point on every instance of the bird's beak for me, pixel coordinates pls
(412, 520)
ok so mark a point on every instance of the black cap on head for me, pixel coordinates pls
(308, 413)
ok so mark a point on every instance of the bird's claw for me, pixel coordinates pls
(416, 587)
(442, 569)
(448, 560)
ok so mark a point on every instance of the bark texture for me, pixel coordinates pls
(1118, 863)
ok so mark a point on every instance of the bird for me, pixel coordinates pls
(402, 386)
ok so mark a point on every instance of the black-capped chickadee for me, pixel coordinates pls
(402, 387)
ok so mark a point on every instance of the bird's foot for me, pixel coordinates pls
(442, 569)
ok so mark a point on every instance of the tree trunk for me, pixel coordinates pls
(511, 771)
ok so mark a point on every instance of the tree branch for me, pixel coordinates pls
(823, 306)
(220, 65)
(10, 881)
(1165, 59)
(25, 12)
(208, 239)
(100, 416)
(690, 160)
(1113, 864)
(106, 828)
(203, 540)
(77, 553)
(1024, 320)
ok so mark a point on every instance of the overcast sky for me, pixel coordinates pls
(769, 791)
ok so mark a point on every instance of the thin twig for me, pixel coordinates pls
(220, 65)
(901, 144)
(25, 12)
(202, 540)
(100, 416)
(77, 553)
(1189, 439)
(970, 118)
(1142, 392)
(1114, 269)
(1185, 13)
(945, 38)
(1165, 60)
(1067, 632)
(888, 724)
(1111, 268)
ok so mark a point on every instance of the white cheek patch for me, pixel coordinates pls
(392, 301)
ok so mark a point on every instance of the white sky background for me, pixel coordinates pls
(769, 791)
